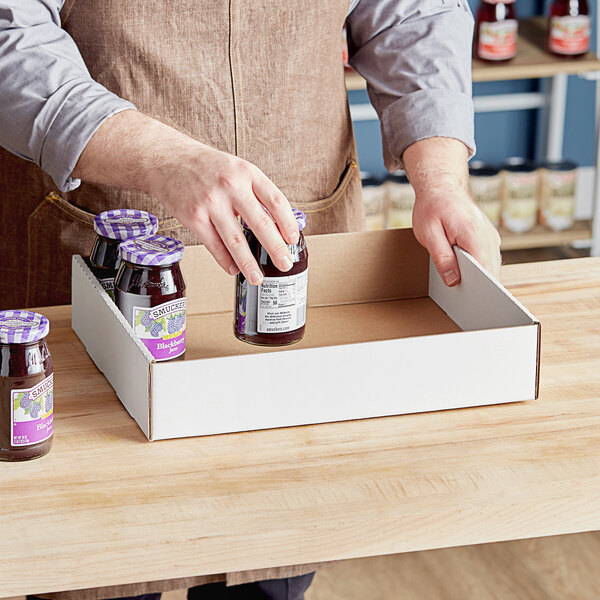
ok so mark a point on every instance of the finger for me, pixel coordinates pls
(440, 250)
(264, 228)
(271, 197)
(208, 235)
(234, 239)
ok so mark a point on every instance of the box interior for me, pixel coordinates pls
(362, 288)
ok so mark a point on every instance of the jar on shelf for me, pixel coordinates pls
(486, 188)
(113, 227)
(496, 30)
(150, 292)
(569, 28)
(374, 201)
(273, 313)
(400, 200)
(26, 386)
(520, 194)
(558, 181)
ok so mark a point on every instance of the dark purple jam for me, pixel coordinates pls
(274, 312)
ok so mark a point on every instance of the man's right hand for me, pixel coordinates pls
(204, 188)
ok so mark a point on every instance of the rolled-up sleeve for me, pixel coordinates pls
(416, 58)
(49, 105)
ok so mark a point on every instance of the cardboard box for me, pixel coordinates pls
(384, 336)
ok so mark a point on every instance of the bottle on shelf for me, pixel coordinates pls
(569, 28)
(496, 30)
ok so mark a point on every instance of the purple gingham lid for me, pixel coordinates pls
(22, 326)
(300, 218)
(152, 250)
(125, 223)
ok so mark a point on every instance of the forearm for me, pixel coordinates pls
(129, 151)
(436, 165)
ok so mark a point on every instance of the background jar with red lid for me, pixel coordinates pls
(273, 313)
(569, 28)
(496, 30)
(150, 292)
(26, 386)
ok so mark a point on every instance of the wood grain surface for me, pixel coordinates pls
(107, 507)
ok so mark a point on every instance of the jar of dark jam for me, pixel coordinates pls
(26, 386)
(114, 227)
(150, 292)
(496, 30)
(569, 28)
(273, 313)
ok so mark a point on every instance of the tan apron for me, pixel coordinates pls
(261, 79)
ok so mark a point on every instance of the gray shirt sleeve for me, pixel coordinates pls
(49, 105)
(416, 58)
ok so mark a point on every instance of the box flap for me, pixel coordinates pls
(111, 343)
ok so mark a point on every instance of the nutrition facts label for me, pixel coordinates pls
(282, 303)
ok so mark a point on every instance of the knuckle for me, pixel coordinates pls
(277, 201)
(228, 181)
(264, 221)
(237, 240)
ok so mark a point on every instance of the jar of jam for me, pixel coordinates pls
(496, 30)
(113, 227)
(273, 313)
(485, 183)
(569, 28)
(26, 386)
(520, 194)
(150, 292)
(373, 193)
(401, 200)
(558, 180)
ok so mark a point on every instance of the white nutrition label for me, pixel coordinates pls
(282, 303)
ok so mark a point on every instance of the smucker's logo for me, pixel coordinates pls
(176, 306)
(128, 220)
(145, 245)
(16, 323)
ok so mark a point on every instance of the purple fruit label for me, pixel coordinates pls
(33, 410)
(162, 328)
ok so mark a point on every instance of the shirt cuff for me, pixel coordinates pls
(84, 108)
(425, 114)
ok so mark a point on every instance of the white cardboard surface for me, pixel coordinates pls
(494, 360)
(121, 357)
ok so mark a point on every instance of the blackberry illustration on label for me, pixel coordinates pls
(33, 410)
(162, 328)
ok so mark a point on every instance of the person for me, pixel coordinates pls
(205, 110)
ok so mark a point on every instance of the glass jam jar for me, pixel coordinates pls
(26, 386)
(558, 182)
(496, 30)
(113, 227)
(569, 28)
(520, 194)
(273, 313)
(150, 292)
(485, 183)
(373, 193)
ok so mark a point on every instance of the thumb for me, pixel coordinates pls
(442, 254)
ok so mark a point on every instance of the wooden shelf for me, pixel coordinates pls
(541, 237)
(532, 60)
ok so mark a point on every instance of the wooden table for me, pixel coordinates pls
(107, 507)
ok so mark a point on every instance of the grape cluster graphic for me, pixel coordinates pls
(35, 410)
(156, 329)
(25, 401)
(49, 402)
(146, 320)
(176, 323)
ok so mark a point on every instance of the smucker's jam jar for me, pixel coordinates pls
(26, 386)
(496, 30)
(273, 313)
(150, 292)
(569, 28)
(114, 227)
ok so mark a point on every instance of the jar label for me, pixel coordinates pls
(282, 303)
(498, 41)
(32, 414)
(108, 285)
(570, 35)
(162, 328)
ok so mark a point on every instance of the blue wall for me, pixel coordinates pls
(511, 133)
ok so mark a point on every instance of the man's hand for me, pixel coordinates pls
(444, 213)
(204, 188)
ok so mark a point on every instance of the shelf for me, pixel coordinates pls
(532, 60)
(541, 237)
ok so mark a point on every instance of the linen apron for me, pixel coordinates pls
(260, 79)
